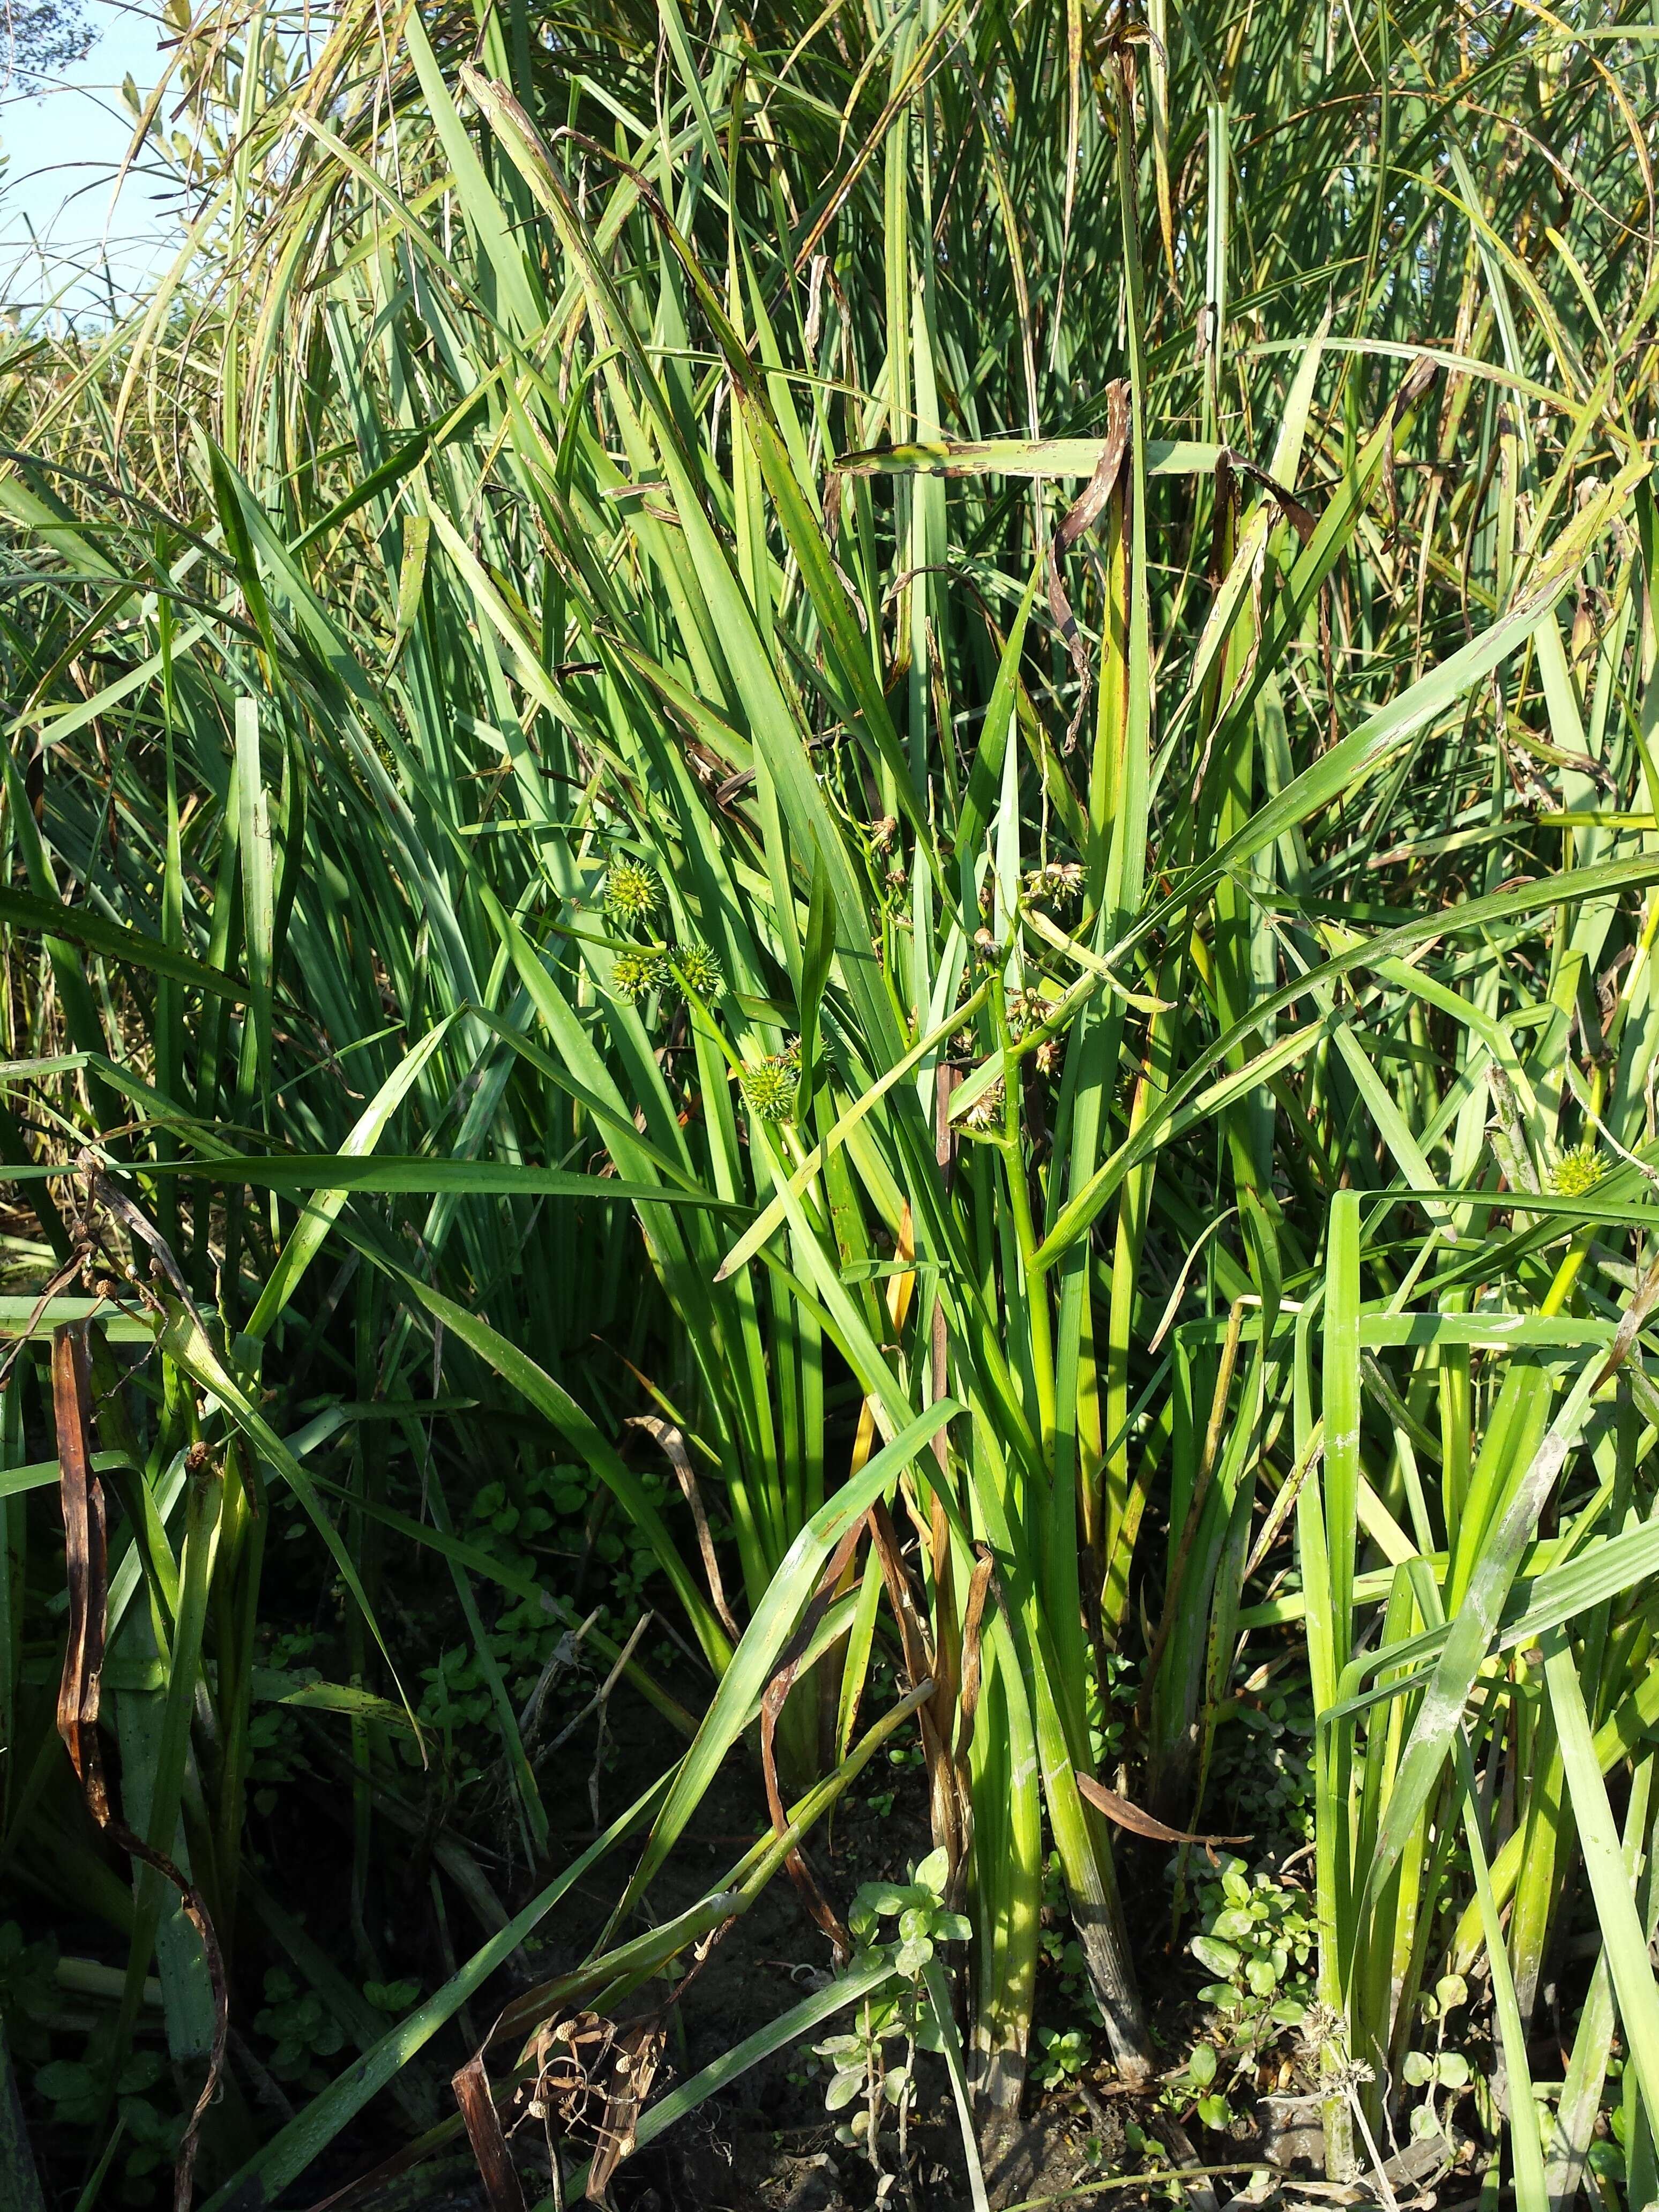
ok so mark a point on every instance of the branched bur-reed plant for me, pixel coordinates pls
(938, 718)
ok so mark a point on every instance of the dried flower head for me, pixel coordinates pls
(631, 892)
(1320, 2024)
(882, 833)
(1577, 1173)
(1058, 882)
(633, 974)
(700, 969)
(768, 1088)
(986, 1111)
(1322, 2040)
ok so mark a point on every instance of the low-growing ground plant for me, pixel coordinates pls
(873, 2064)
(1257, 1937)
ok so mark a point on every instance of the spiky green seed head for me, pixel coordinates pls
(769, 1090)
(1577, 1173)
(630, 892)
(633, 974)
(700, 969)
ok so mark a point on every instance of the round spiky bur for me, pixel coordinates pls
(769, 1090)
(700, 969)
(630, 892)
(633, 974)
(1577, 1173)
